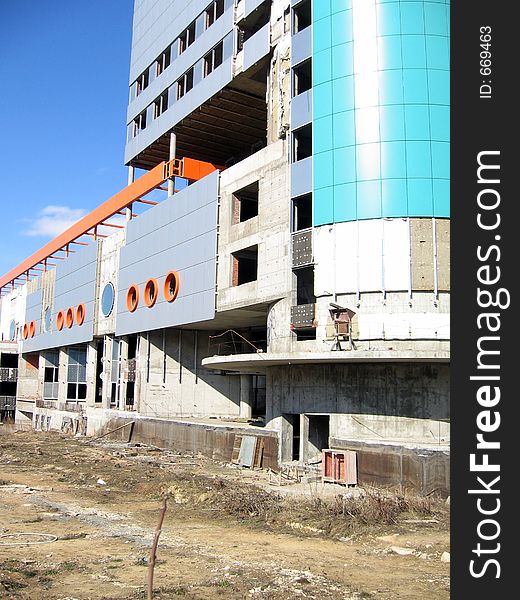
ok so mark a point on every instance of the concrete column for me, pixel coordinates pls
(123, 359)
(107, 362)
(173, 150)
(246, 389)
(62, 376)
(91, 373)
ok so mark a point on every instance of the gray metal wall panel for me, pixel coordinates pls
(257, 46)
(301, 109)
(75, 284)
(210, 38)
(156, 24)
(207, 88)
(301, 177)
(301, 46)
(33, 309)
(178, 234)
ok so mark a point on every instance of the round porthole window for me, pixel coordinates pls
(80, 314)
(132, 298)
(69, 317)
(12, 331)
(32, 329)
(150, 292)
(107, 299)
(60, 320)
(171, 286)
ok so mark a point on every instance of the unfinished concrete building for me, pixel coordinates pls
(289, 278)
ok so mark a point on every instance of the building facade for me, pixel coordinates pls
(290, 276)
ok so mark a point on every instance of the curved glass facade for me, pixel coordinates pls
(380, 109)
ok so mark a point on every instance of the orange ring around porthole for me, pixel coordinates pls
(60, 320)
(132, 297)
(32, 329)
(151, 291)
(80, 314)
(171, 291)
(25, 331)
(69, 317)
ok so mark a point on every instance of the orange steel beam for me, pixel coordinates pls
(112, 225)
(186, 167)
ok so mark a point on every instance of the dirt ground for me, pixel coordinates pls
(91, 510)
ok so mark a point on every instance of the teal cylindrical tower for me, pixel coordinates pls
(380, 109)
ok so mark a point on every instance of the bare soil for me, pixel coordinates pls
(228, 533)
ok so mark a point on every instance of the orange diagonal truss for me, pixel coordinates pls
(186, 167)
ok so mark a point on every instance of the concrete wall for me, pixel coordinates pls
(108, 271)
(172, 383)
(12, 309)
(406, 403)
(269, 230)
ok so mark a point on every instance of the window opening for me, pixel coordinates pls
(302, 78)
(245, 203)
(301, 212)
(245, 266)
(302, 143)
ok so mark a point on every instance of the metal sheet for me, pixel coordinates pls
(178, 234)
(247, 451)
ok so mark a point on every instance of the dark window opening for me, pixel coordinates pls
(302, 212)
(163, 61)
(305, 334)
(187, 38)
(141, 83)
(259, 395)
(319, 431)
(302, 16)
(213, 59)
(130, 393)
(214, 11)
(302, 78)
(99, 373)
(76, 391)
(139, 123)
(132, 346)
(185, 84)
(9, 361)
(245, 203)
(245, 266)
(50, 375)
(305, 285)
(77, 374)
(302, 143)
(160, 105)
(253, 23)
(295, 437)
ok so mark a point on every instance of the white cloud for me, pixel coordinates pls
(53, 220)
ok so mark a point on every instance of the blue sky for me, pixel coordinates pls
(63, 96)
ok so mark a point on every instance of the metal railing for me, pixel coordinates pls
(232, 342)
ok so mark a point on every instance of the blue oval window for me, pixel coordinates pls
(47, 320)
(12, 331)
(107, 299)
